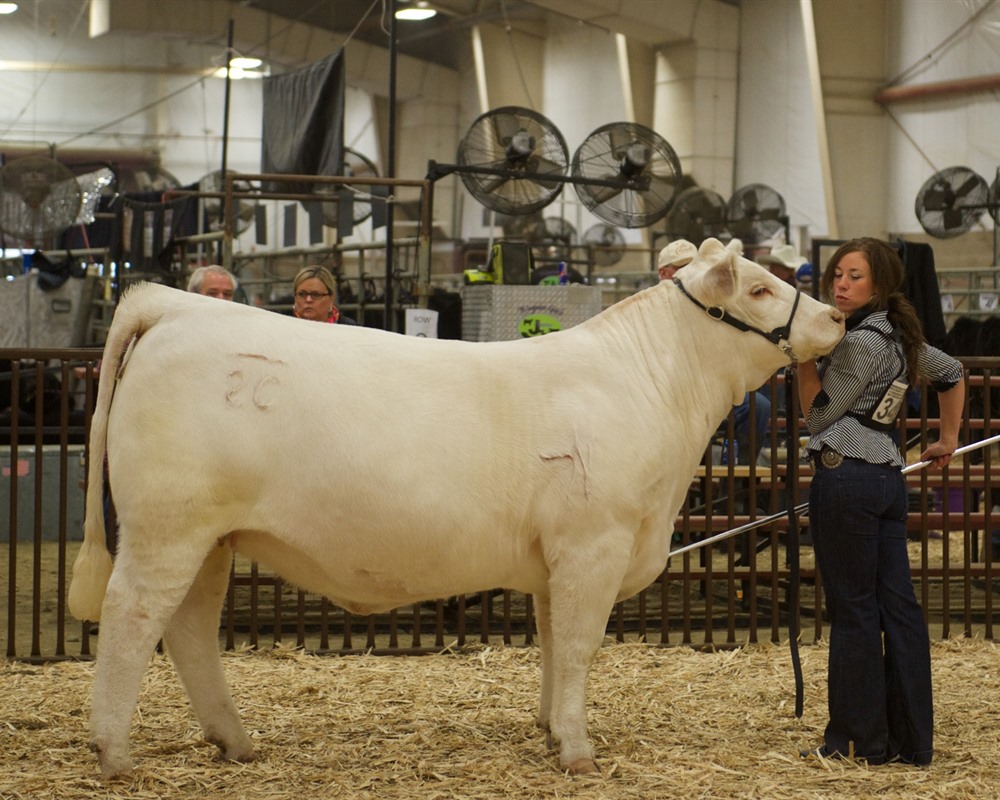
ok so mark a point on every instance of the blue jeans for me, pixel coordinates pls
(742, 426)
(880, 666)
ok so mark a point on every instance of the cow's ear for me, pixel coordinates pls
(711, 249)
(720, 280)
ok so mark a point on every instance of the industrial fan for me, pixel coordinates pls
(212, 207)
(756, 213)
(951, 202)
(355, 165)
(143, 180)
(698, 214)
(605, 243)
(39, 199)
(92, 185)
(627, 174)
(526, 227)
(506, 157)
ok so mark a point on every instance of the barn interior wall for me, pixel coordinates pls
(880, 156)
(732, 99)
(777, 142)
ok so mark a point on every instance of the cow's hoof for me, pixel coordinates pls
(113, 767)
(242, 752)
(244, 757)
(581, 766)
(116, 771)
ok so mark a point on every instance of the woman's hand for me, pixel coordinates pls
(939, 454)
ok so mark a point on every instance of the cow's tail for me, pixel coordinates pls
(92, 568)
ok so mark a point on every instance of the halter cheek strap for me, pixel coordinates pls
(778, 337)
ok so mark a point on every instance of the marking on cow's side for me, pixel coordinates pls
(261, 357)
(236, 381)
(259, 390)
(576, 460)
(239, 383)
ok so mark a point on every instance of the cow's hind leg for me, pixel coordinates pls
(192, 642)
(141, 597)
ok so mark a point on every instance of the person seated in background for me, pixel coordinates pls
(315, 292)
(676, 255)
(213, 281)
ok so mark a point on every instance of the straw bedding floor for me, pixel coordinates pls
(667, 723)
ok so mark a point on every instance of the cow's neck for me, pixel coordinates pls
(698, 368)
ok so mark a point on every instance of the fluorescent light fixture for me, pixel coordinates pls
(241, 67)
(245, 62)
(8, 8)
(238, 73)
(415, 11)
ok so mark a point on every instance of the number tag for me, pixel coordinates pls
(888, 407)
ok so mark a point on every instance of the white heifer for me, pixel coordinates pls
(381, 470)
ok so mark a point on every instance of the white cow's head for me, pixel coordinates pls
(770, 312)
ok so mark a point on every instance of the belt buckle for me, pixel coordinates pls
(831, 458)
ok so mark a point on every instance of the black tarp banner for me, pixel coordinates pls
(303, 127)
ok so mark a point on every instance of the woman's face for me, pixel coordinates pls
(313, 300)
(852, 285)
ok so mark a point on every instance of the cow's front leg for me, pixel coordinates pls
(192, 642)
(543, 619)
(581, 597)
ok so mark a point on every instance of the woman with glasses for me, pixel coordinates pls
(315, 296)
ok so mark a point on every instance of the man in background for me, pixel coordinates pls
(213, 281)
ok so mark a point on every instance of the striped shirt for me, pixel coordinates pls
(854, 378)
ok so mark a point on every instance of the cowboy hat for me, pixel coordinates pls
(783, 256)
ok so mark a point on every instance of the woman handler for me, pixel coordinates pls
(879, 666)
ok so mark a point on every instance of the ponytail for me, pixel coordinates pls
(903, 317)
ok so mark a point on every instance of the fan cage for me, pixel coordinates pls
(626, 174)
(951, 201)
(698, 214)
(507, 154)
(756, 213)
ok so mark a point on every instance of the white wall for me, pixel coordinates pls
(878, 165)
(940, 132)
(776, 142)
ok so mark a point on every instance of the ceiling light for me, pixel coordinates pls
(8, 8)
(239, 74)
(415, 11)
(245, 62)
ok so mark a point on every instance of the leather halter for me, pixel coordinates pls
(778, 337)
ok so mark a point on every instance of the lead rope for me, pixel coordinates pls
(792, 545)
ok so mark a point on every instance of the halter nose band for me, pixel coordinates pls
(778, 337)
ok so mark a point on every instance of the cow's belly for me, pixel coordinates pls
(367, 580)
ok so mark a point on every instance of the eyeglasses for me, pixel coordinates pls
(311, 295)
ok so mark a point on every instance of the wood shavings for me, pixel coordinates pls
(667, 722)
